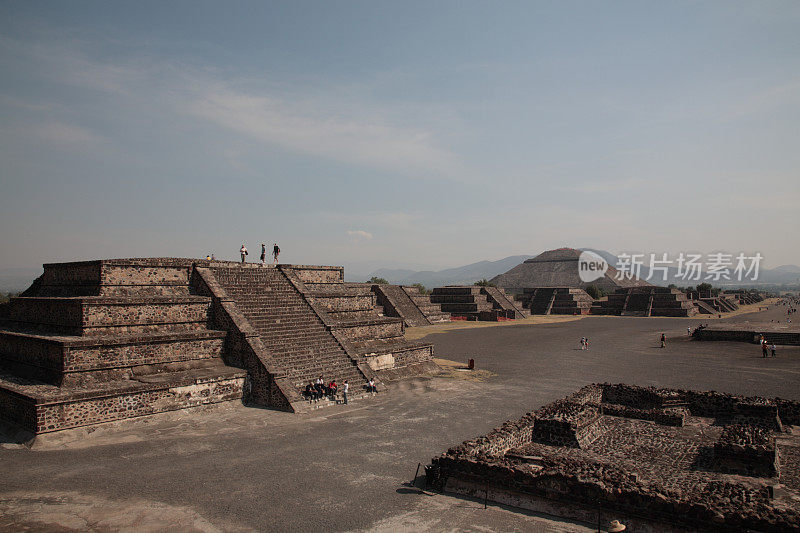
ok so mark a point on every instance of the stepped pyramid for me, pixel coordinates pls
(558, 268)
(470, 302)
(98, 341)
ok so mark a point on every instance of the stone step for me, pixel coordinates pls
(52, 358)
(40, 408)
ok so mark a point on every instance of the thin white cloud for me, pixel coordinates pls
(359, 235)
(322, 132)
(65, 134)
(322, 125)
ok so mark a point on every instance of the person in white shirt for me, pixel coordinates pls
(243, 252)
(345, 388)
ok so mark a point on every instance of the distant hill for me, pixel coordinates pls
(469, 274)
(464, 275)
(17, 279)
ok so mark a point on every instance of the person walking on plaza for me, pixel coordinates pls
(583, 343)
(345, 388)
(276, 251)
(263, 254)
(663, 340)
(689, 331)
(772, 348)
(243, 252)
(764, 349)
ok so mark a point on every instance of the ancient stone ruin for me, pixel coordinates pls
(97, 341)
(476, 303)
(655, 459)
(645, 301)
(784, 334)
(555, 301)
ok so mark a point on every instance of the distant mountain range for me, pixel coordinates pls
(17, 279)
(464, 275)
(469, 274)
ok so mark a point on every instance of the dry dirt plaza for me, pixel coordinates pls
(349, 468)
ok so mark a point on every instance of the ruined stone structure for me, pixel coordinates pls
(743, 297)
(408, 303)
(645, 301)
(707, 303)
(558, 268)
(476, 303)
(98, 341)
(555, 301)
(655, 459)
(783, 334)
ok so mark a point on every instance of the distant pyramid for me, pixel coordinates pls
(558, 268)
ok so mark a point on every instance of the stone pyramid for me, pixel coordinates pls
(558, 268)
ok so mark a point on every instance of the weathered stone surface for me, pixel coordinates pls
(668, 473)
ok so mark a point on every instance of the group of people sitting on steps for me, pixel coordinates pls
(317, 390)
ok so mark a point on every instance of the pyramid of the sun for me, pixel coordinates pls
(559, 268)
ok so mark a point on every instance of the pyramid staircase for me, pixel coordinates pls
(297, 339)
(432, 311)
(555, 300)
(395, 302)
(351, 311)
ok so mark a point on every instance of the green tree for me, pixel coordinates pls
(704, 287)
(485, 283)
(595, 292)
(376, 280)
(422, 289)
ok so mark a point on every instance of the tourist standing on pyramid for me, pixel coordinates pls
(263, 254)
(276, 251)
(243, 252)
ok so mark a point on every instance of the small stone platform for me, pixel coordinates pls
(774, 333)
(645, 301)
(472, 302)
(656, 459)
(555, 301)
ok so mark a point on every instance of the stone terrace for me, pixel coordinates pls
(662, 459)
(98, 341)
(476, 303)
(645, 301)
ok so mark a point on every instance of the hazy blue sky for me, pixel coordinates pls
(426, 134)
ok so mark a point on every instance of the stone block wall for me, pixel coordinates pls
(747, 450)
(318, 274)
(66, 415)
